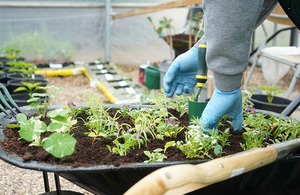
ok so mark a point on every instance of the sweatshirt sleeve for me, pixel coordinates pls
(228, 27)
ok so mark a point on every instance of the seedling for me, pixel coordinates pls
(11, 54)
(197, 25)
(155, 156)
(271, 92)
(165, 23)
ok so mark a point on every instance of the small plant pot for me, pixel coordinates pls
(278, 104)
(4, 60)
(196, 109)
(4, 66)
(3, 78)
(14, 84)
(18, 76)
(22, 98)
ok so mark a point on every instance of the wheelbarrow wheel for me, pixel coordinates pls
(62, 192)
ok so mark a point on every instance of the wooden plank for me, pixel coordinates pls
(279, 16)
(173, 4)
(184, 178)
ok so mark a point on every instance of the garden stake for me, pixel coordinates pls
(196, 108)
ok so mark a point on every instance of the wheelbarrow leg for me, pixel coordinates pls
(46, 181)
(57, 184)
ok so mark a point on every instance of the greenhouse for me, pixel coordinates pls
(149, 97)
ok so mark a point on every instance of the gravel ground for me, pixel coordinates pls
(18, 181)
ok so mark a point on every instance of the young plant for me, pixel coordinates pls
(198, 144)
(59, 143)
(170, 128)
(197, 25)
(165, 23)
(130, 140)
(125, 110)
(155, 156)
(29, 87)
(271, 92)
(26, 69)
(37, 101)
(180, 103)
(11, 54)
(99, 121)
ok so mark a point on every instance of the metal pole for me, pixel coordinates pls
(294, 37)
(107, 29)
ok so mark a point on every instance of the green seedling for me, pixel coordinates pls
(11, 54)
(155, 156)
(165, 23)
(59, 143)
(29, 87)
(271, 92)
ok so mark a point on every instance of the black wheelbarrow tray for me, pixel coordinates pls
(270, 170)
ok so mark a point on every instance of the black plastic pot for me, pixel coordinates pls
(22, 98)
(4, 60)
(281, 177)
(4, 67)
(19, 76)
(14, 84)
(278, 104)
(3, 78)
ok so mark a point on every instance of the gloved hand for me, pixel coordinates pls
(223, 103)
(181, 75)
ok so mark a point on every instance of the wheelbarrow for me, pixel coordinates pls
(271, 170)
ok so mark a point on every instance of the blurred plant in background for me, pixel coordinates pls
(40, 46)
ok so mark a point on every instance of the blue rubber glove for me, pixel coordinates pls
(223, 103)
(181, 76)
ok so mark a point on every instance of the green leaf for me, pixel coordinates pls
(31, 129)
(169, 144)
(61, 124)
(21, 117)
(159, 30)
(218, 150)
(57, 112)
(33, 100)
(20, 89)
(59, 145)
(11, 126)
(158, 150)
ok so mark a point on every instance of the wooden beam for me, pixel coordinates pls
(173, 4)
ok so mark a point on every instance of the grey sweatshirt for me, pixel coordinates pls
(228, 27)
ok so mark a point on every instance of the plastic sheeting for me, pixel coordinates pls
(79, 34)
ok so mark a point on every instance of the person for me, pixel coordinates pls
(228, 27)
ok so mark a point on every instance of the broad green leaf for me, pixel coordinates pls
(60, 111)
(32, 129)
(61, 124)
(32, 100)
(21, 117)
(20, 89)
(59, 145)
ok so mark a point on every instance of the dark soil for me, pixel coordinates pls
(88, 153)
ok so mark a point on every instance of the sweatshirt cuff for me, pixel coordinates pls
(226, 83)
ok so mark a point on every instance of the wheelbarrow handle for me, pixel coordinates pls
(181, 179)
(291, 107)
